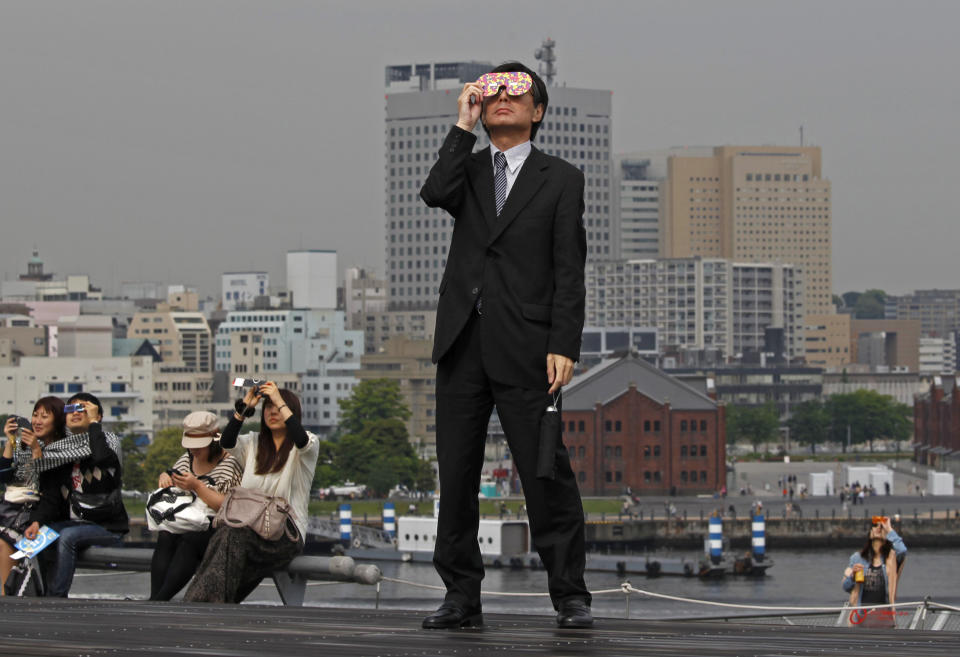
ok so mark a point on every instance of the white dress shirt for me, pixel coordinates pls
(516, 156)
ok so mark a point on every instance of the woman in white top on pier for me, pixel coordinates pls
(280, 461)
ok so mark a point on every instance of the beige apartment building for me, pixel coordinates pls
(898, 341)
(753, 203)
(246, 354)
(827, 341)
(408, 361)
(179, 337)
(379, 327)
(20, 336)
(835, 342)
(177, 392)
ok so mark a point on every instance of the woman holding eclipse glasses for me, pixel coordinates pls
(872, 576)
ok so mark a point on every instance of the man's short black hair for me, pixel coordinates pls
(86, 396)
(539, 89)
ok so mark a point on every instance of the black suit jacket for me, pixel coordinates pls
(527, 264)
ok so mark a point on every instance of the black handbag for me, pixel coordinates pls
(25, 579)
(14, 518)
(97, 507)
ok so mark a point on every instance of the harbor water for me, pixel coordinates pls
(798, 578)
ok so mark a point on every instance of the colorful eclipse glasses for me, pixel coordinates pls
(517, 83)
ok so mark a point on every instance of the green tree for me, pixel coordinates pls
(162, 453)
(867, 415)
(132, 457)
(373, 445)
(809, 423)
(426, 479)
(326, 473)
(869, 305)
(849, 299)
(373, 399)
(381, 438)
(755, 424)
(383, 475)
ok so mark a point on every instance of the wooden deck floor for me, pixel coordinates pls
(93, 627)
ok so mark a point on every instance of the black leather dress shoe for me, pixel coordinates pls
(451, 615)
(574, 613)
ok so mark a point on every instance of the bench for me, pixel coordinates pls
(291, 582)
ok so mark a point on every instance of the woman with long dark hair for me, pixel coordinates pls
(871, 577)
(209, 472)
(279, 460)
(21, 504)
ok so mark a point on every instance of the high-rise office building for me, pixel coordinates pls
(638, 196)
(753, 203)
(699, 303)
(638, 181)
(421, 108)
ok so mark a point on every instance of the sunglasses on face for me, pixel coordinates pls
(516, 83)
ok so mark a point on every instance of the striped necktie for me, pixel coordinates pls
(500, 180)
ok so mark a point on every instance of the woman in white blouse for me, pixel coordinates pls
(280, 461)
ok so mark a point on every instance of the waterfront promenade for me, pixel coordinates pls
(86, 627)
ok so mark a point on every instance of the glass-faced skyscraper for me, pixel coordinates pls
(420, 109)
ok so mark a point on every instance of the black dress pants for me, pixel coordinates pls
(175, 560)
(465, 399)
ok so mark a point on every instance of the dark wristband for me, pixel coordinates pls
(244, 410)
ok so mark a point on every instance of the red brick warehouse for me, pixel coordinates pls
(936, 423)
(627, 423)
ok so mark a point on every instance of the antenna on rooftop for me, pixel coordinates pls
(546, 56)
(801, 134)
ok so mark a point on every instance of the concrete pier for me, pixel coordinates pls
(88, 627)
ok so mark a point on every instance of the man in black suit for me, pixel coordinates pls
(509, 321)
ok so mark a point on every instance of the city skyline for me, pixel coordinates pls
(218, 141)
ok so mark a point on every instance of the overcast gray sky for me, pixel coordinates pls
(173, 140)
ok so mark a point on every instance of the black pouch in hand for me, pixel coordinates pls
(549, 440)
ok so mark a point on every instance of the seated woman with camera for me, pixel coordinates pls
(208, 472)
(21, 501)
(80, 480)
(278, 464)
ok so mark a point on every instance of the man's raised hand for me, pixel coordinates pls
(469, 113)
